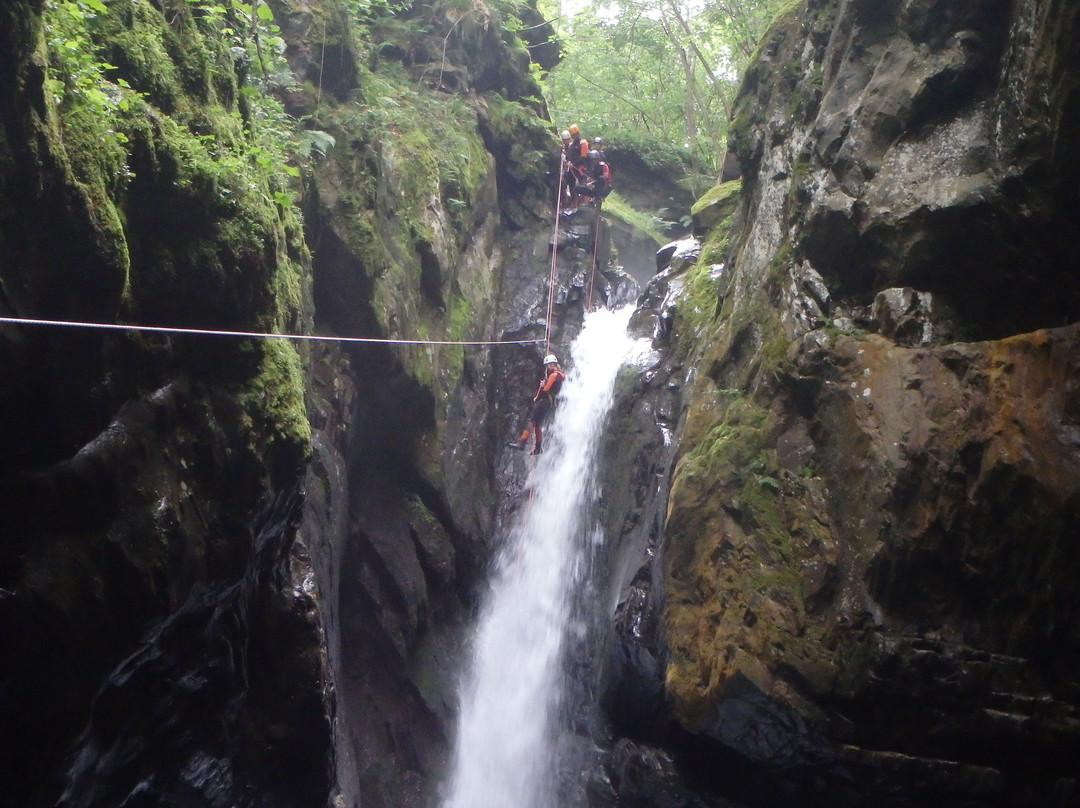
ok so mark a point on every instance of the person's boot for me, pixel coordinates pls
(538, 448)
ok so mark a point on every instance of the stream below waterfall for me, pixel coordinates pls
(513, 735)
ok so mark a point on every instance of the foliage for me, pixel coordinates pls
(648, 226)
(90, 104)
(661, 68)
(185, 90)
(99, 107)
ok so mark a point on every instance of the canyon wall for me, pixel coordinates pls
(870, 548)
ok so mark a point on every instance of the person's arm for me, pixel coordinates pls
(549, 382)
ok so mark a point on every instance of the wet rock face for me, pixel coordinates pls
(929, 147)
(215, 705)
(870, 545)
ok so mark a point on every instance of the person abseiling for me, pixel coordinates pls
(543, 401)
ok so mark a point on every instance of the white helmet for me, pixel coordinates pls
(565, 135)
(551, 359)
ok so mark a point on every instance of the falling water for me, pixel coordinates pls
(508, 735)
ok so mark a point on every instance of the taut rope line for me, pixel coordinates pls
(256, 334)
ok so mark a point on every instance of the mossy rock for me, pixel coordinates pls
(716, 207)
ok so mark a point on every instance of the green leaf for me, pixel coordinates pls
(264, 12)
(96, 5)
(292, 171)
(284, 199)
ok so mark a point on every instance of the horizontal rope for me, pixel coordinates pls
(257, 334)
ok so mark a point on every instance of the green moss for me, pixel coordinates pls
(458, 319)
(761, 496)
(699, 297)
(416, 167)
(734, 441)
(784, 15)
(643, 225)
(143, 49)
(520, 139)
(273, 400)
(719, 194)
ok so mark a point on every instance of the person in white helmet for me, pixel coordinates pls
(543, 401)
(570, 175)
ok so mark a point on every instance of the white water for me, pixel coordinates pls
(508, 736)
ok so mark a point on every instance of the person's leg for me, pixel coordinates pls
(523, 440)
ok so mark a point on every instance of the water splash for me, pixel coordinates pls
(508, 739)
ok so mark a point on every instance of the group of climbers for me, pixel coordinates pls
(587, 178)
(587, 175)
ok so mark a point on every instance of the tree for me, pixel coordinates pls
(658, 75)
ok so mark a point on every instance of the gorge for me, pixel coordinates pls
(837, 539)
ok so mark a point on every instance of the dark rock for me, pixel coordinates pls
(867, 551)
(214, 705)
(677, 255)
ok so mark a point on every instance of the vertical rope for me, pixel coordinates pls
(552, 274)
(595, 247)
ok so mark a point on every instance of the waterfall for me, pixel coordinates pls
(509, 735)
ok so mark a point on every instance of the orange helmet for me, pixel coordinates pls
(573, 130)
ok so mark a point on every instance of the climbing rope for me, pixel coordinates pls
(595, 245)
(256, 334)
(553, 274)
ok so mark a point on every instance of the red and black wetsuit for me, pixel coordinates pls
(545, 397)
(601, 179)
(543, 401)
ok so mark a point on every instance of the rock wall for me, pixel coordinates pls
(842, 507)
(870, 548)
(205, 599)
(148, 577)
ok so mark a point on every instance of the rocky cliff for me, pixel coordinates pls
(233, 569)
(842, 506)
(869, 558)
